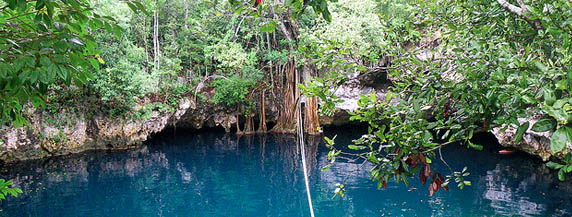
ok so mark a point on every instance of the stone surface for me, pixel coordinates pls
(350, 93)
(72, 133)
(534, 143)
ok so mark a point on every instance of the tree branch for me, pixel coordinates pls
(510, 7)
(521, 12)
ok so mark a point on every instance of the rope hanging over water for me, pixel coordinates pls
(300, 135)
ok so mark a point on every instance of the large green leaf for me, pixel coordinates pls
(544, 124)
(560, 138)
(553, 165)
(520, 132)
(559, 114)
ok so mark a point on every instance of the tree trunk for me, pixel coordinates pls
(238, 131)
(186, 3)
(249, 125)
(262, 126)
(286, 122)
(311, 117)
(156, 38)
(287, 80)
(145, 43)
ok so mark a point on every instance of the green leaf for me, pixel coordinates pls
(561, 175)
(569, 80)
(117, 30)
(544, 124)
(356, 147)
(540, 66)
(560, 138)
(329, 141)
(45, 61)
(568, 168)
(561, 85)
(475, 146)
(553, 165)
(62, 72)
(94, 63)
(327, 167)
(559, 114)
(132, 6)
(520, 132)
(326, 15)
(549, 96)
(269, 28)
(371, 158)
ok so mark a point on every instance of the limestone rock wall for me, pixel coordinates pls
(534, 143)
(73, 132)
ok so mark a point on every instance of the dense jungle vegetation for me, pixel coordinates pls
(456, 68)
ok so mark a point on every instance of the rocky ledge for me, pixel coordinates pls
(533, 143)
(74, 132)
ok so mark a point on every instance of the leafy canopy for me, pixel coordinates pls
(44, 42)
(462, 67)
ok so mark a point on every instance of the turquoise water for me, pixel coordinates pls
(212, 174)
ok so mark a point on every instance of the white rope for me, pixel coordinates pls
(303, 151)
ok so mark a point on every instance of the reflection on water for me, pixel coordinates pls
(503, 200)
(223, 175)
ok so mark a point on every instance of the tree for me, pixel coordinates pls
(480, 65)
(42, 43)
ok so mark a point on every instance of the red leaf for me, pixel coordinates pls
(414, 159)
(422, 176)
(434, 186)
(427, 171)
(422, 159)
(446, 188)
(431, 191)
(440, 178)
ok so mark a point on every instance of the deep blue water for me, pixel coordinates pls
(213, 174)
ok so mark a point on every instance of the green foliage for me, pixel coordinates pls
(298, 7)
(478, 66)
(492, 68)
(6, 190)
(563, 168)
(45, 42)
(123, 79)
(231, 56)
(38, 48)
(355, 26)
(560, 139)
(232, 90)
(279, 57)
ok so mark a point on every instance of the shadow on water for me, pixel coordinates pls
(217, 174)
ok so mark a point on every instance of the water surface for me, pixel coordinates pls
(213, 174)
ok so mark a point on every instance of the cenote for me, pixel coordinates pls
(217, 174)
